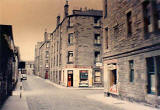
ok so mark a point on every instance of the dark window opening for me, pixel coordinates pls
(158, 13)
(129, 24)
(105, 6)
(131, 70)
(106, 38)
(147, 16)
(153, 75)
(70, 38)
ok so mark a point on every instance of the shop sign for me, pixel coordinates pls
(98, 64)
(111, 67)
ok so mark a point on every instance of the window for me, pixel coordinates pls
(153, 74)
(70, 38)
(47, 65)
(106, 38)
(97, 56)
(147, 16)
(47, 54)
(158, 13)
(47, 45)
(70, 24)
(131, 70)
(97, 76)
(70, 57)
(116, 31)
(97, 21)
(97, 39)
(57, 61)
(60, 59)
(105, 8)
(57, 45)
(129, 24)
(83, 75)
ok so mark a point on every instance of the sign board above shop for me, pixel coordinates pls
(111, 67)
(98, 64)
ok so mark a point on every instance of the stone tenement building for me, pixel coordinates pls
(43, 60)
(37, 58)
(76, 48)
(131, 50)
(9, 59)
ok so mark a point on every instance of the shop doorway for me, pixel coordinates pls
(70, 78)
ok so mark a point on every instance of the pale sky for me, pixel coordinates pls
(29, 19)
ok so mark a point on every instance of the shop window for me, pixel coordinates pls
(97, 56)
(83, 75)
(97, 39)
(131, 70)
(147, 16)
(129, 23)
(97, 76)
(70, 38)
(153, 75)
(70, 57)
(106, 38)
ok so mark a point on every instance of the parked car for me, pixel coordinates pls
(23, 75)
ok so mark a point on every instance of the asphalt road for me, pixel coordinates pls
(41, 95)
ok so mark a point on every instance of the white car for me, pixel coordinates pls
(24, 76)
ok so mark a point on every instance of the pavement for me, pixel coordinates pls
(15, 102)
(41, 94)
(125, 105)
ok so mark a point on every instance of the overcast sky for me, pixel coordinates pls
(30, 18)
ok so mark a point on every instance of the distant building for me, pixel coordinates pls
(76, 49)
(44, 56)
(131, 49)
(37, 59)
(29, 66)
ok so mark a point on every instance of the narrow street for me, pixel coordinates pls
(40, 95)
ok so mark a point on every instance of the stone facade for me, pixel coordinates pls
(29, 66)
(74, 44)
(44, 56)
(9, 55)
(131, 50)
(37, 58)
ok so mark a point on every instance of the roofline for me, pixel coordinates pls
(73, 15)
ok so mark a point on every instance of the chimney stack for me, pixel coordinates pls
(58, 20)
(66, 9)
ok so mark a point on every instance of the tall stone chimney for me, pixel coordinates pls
(58, 20)
(45, 35)
(66, 9)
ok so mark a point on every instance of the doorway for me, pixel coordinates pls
(113, 81)
(70, 78)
